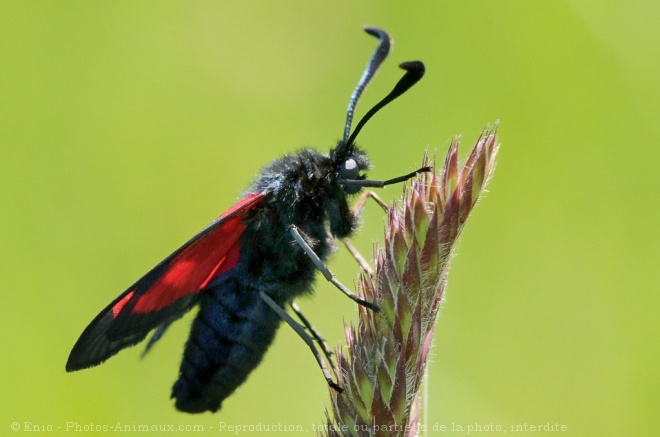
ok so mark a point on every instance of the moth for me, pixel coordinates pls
(243, 269)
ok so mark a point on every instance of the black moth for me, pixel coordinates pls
(250, 263)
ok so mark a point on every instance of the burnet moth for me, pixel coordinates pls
(251, 262)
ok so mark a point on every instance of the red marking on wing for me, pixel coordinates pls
(120, 305)
(197, 263)
(194, 267)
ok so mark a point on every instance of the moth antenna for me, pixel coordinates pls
(377, 58)
(414, 72)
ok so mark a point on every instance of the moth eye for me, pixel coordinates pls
(349, 170)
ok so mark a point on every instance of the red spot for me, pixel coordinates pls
(120, 305)
(198, 263)
(246, 202)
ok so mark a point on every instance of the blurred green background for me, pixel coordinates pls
(125, 127)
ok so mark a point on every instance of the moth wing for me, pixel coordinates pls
(167, 291)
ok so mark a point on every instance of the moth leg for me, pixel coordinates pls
(358, 257)
(326, 272)
(359, 204)
(309, 341)
(317, 336)
(357, 210)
